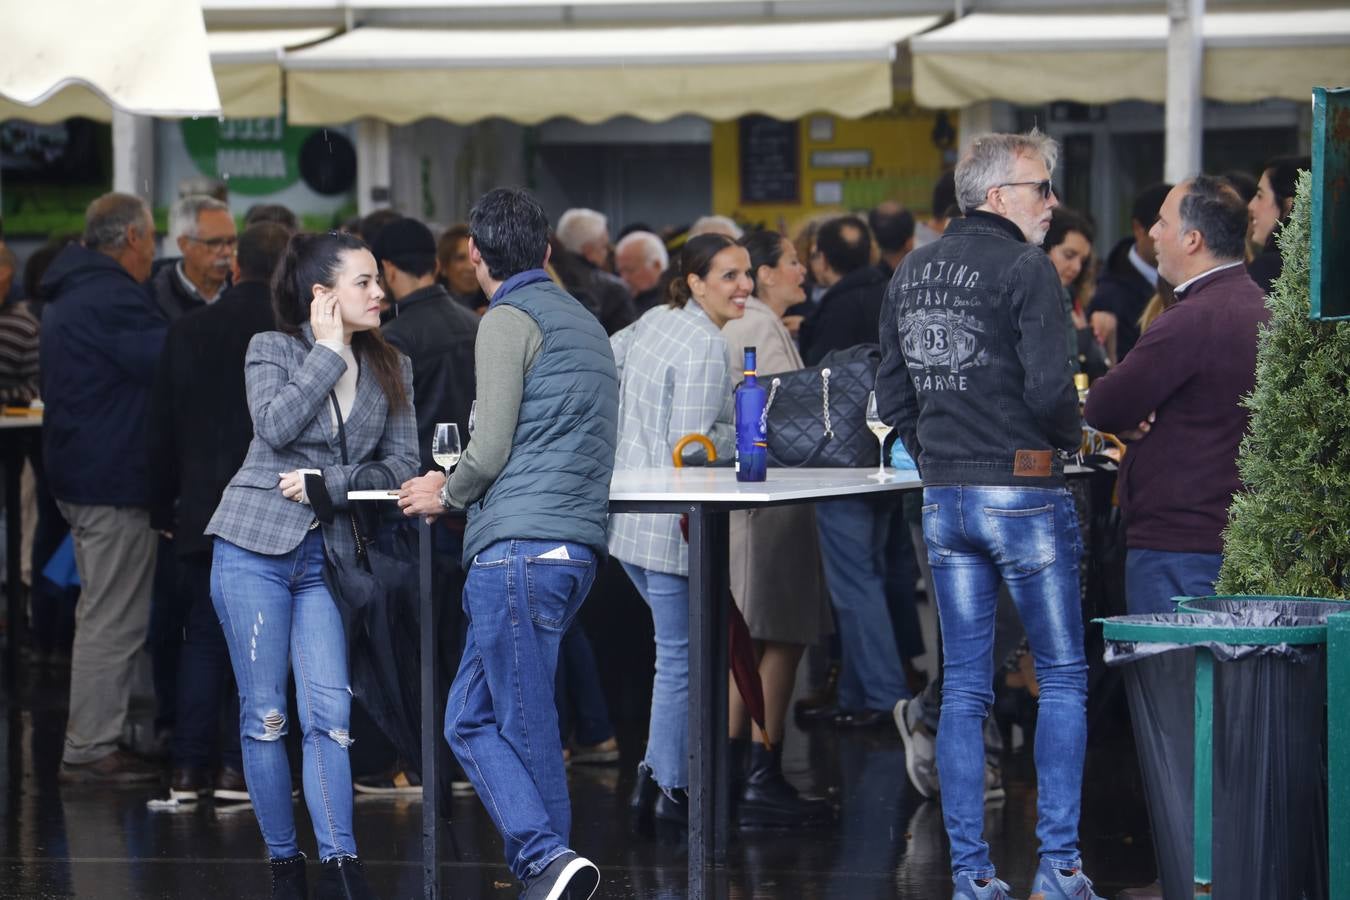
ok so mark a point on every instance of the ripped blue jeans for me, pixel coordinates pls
(277, 613)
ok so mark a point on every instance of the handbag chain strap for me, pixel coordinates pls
(825, 397)
(342, 443)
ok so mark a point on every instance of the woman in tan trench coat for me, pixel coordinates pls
(776, 576)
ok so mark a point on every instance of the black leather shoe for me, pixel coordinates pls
(825, 696)
(768, 800)
(187, 784)
(862, 718)
(288, 878)
(672, 807)
(819, 715)
(343, 878)
(642, 802)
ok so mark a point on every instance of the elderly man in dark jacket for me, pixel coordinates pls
(207, 240)
(100, 343)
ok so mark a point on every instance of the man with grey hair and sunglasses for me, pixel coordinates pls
(207, 240)
(975, 379)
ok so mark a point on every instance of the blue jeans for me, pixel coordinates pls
(581, 699)
(1154, 577)
(668, 733)
(500, 719)
(277, 613)
(853, 536)
(1029, 538)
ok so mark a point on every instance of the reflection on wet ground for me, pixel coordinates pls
(105, 844)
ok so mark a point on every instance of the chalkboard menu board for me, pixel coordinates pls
(770, 162)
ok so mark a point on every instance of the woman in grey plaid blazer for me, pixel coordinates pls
(268, 559)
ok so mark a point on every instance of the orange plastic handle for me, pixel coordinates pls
(677, 454)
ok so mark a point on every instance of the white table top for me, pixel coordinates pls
(720, 484)
(28, 421)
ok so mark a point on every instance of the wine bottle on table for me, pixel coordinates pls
(751, 442)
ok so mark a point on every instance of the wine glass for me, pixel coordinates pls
(879, 428)
(445, 445)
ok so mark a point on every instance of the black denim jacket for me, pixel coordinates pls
(973, 367)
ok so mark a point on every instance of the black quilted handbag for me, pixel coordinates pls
(818, 416)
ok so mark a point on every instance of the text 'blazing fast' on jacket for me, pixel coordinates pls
(973, 366)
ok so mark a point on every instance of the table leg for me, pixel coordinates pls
(13, 462)
(707, 694)
(431, 885)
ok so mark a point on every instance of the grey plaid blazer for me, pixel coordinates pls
(288, 384)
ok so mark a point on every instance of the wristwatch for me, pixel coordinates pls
(445, 495)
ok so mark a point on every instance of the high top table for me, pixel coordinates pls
(706, 496)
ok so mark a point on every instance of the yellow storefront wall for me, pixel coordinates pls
(904, 164)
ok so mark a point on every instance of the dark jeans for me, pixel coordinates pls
(580, 698)
(902, 574)
(53, 606)
(205, 680)
(164, 639)
(1154, 577)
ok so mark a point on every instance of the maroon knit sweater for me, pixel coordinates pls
(1192, 367)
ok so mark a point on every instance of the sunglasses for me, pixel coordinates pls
(1044, 188)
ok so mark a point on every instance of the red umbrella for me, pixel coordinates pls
(740, 646)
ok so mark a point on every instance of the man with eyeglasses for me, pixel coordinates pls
(975, 379)
(207, 239)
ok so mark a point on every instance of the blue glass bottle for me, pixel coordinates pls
(751, 447)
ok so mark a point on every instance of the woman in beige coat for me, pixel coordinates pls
(776, 576)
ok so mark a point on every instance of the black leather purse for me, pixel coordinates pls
(818, 416)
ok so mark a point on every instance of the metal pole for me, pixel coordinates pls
(1204, 772)
(1185, 103)
(430, 731)
(133, 139)
(1338, 754)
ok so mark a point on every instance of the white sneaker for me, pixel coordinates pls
(920, 752)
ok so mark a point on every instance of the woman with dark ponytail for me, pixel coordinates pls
(674, 380)
(325, 378)
(1268, 211)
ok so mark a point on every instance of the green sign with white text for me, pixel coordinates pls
(255, 157)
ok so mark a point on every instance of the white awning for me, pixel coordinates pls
(247, 66)
(1028, 58)
(147, 57)
(594, 74)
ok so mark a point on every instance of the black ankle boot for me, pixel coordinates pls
(739, 750)
(672, 807)
(769, 801)
(343, 878)
(288, 878)
(643, 799)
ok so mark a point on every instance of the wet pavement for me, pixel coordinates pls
(104, 844)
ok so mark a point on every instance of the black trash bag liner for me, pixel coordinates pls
(1269, 756)
(1252, 615)
(1270, 610)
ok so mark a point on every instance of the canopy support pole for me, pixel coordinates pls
(133, 151)
(1185, 105)
(374, 166)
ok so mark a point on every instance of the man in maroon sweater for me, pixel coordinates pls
(1176, 398)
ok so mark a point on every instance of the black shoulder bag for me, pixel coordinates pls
(818, 416)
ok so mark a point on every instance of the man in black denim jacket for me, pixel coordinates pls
(975, 379)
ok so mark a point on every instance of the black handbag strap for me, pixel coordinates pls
(342, 444)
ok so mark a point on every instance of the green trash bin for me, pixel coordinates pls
(1228, 699)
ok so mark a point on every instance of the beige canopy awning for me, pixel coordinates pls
(593, 74)
(245, 65)
(77, 57)
(1030, 58)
